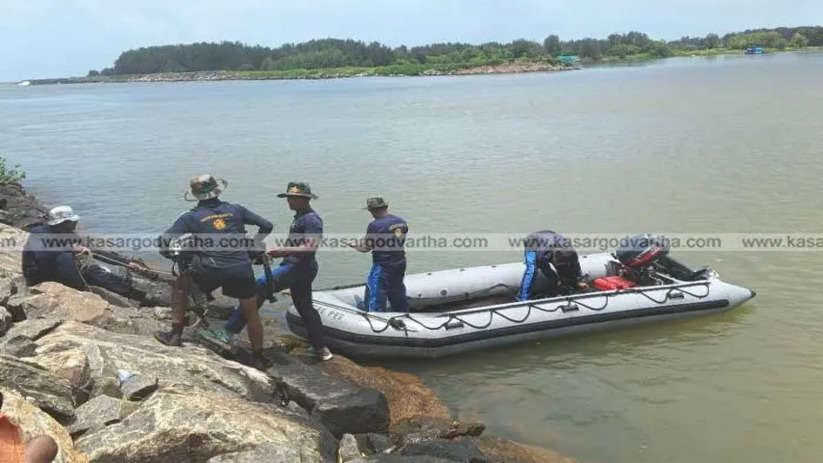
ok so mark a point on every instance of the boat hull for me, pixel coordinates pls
(442, 333)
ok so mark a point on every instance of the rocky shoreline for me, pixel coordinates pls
(83, 368)
(503, 68)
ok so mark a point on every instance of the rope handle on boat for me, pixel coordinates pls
(572, 302)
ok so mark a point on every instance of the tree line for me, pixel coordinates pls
(335, 53)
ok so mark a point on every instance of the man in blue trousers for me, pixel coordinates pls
(385, 237)
(556, 259)
(296, 272)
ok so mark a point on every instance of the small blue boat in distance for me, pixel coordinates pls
(755, 51)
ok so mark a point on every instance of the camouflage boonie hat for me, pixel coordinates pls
(375, 203)
(205, 187)
(300, 189)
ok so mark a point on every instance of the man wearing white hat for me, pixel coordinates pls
(54, 260)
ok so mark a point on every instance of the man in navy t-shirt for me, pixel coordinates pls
(385, 237)
(227, 266)
(296, 272)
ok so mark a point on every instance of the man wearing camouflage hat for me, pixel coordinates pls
(296, 272)
(228, 266)
(385, 238)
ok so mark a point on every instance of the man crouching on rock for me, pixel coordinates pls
(228, 267)
(45, 262)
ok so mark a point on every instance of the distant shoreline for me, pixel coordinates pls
(513, 67)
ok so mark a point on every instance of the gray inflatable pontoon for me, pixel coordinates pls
(460, 310)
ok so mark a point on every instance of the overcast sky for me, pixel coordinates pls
(57, 38)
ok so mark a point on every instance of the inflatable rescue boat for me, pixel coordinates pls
(465, 309)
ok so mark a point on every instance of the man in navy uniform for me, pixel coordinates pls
(385, 237)
(51, 254)
(229, 267)
(42, 262)
(296, 272)
(553, 255)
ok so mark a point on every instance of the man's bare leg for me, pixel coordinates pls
(255, 330)
(254, 325)
(179, 307)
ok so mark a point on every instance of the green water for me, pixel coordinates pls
(727, 144)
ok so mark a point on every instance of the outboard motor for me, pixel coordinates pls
(640, 256)
(641, 251)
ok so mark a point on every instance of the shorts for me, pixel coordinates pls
(237, 280)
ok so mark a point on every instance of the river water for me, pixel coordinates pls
(687, 145)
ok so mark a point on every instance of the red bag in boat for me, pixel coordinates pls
(612, 283)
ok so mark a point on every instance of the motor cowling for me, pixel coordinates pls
(641, 251)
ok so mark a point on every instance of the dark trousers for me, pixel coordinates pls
(385, 282)
(98, 275)
(60, 267)
(298, 279)
(533, 264)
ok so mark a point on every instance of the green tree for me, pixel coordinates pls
(658, 49)
(552, 45)
(93, 73)
(798, 41)
(525, 48)
(267, 64)
(711, 41)
(590, 48)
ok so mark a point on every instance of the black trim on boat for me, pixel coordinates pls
(295, 321)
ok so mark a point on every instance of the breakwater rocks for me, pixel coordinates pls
(84, 369)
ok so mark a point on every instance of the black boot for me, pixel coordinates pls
(173, 337)
(259, 361)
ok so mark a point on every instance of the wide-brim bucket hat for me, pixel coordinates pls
(376, 202)
(298, 189)
(205, 187)
(62, 214)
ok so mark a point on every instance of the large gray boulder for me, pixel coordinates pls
(114, 356)
(20, 209)
(335, 402)
(19, 340)
(46, 390)
(72, 365)
(463, 451)
(96, 414)
(54, 300)
(5, 320)
(180, 423)
(505, 451)
(33, 329)
(11, 284)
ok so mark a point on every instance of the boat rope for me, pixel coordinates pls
(145, 269)
(398, 321)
